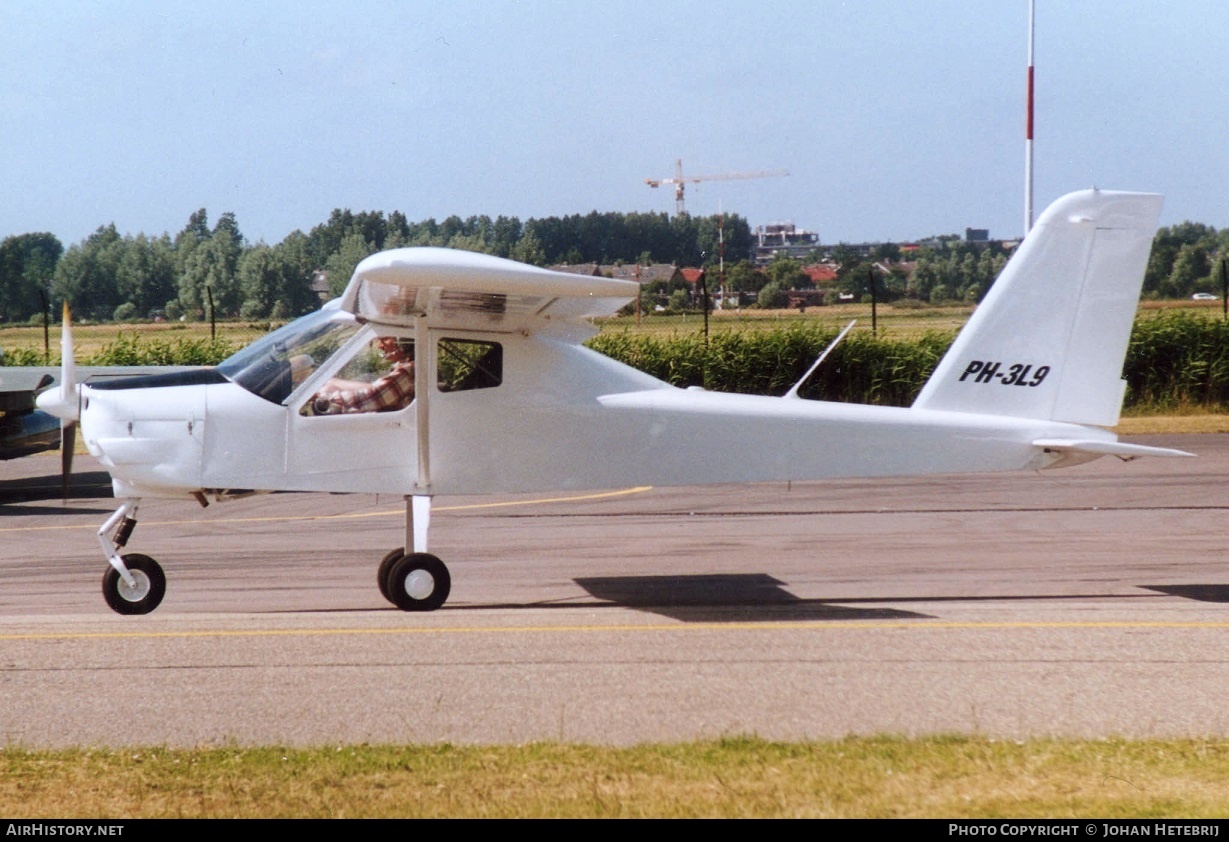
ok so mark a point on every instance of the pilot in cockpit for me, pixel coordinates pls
(391, 391)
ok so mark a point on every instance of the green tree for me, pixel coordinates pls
(86, 274)
(1219, 275)
(27, 265)
(1159, 276)
(340, 265)
(1190, 266)
(923, 279)
(211, 273)
(787, 273)
(468, 242)
(146, 276)
(744, 277)
(772, 297)
(261, 278)
(297, 296)
(528, 249)
(192, 235)
(505, 232)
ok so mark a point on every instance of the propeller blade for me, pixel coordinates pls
(68, 445)
(68, 369)
(62, 401)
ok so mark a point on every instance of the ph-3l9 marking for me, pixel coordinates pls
(1016, 374)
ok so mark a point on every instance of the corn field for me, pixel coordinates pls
(1178, 358)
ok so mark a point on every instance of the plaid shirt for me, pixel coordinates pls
(393, 391)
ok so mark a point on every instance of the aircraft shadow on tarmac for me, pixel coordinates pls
(84, 486)
(729, 598)
(758, 597)
(1199, 593)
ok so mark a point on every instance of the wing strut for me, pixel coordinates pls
(424, 368)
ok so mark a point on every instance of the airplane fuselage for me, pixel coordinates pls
(563, 417)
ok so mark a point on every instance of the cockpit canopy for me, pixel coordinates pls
(274, 365)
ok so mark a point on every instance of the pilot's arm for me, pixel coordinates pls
(393, 391)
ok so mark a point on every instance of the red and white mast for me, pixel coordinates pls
(1028, 131)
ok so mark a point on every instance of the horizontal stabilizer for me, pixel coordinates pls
(1082, 450)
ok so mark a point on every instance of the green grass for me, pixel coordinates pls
(879, 777)
(93, 343)
(895, 320)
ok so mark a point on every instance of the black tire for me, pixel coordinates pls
(151, 586)
(386, 564)
(419, 582)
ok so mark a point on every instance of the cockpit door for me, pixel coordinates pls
(350, 451)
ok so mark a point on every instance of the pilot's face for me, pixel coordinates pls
(391, 349)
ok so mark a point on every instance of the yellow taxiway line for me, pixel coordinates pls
(920, 625)
(353, 515)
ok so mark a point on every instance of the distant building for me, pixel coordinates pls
(577, 268)
(782, 239)
(821, 274)
(800, 299)
(320, 285)
(666, 272)
(693, 277)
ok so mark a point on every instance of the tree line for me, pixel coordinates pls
(203, 270)
(1187, 258)
(213, 270)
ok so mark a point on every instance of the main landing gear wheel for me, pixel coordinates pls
(386, 566)
(146, 592)
(418, 582)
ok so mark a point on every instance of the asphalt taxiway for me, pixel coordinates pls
(1088, 601)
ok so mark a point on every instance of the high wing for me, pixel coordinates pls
(464, 290)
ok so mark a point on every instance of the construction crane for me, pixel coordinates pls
(679, 181)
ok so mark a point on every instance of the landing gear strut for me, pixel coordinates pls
(134, 583)
(416, 581)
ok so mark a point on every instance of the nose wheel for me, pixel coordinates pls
(144, 593)
(133, 583)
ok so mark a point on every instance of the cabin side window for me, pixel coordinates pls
(466, 364)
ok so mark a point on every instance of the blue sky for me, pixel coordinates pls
(896, 119)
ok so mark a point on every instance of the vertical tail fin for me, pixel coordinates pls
(1049, 340)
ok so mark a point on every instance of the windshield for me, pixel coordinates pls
(271, 367)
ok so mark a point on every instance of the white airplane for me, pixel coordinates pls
(509, 400)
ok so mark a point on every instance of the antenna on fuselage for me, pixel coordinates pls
(793, 393)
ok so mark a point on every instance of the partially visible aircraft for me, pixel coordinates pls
(509, 400)
(24, 429)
